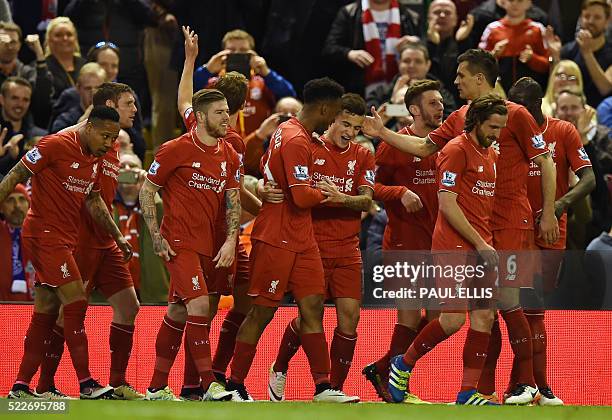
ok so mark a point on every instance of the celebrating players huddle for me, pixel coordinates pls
(443, 185)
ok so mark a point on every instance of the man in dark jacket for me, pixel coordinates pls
(349, 53)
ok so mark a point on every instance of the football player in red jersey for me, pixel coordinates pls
(512, 224)
(563, 141)
(466, 188)
(232, 280)
(407, 186)
(285, 256)
(344, 171)
(65, 175)
(101, 265)
(198, 171)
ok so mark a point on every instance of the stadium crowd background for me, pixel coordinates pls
(54, 53)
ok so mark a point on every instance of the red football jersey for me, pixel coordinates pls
(233, 139)
(288, 162)
(393, 167)
(519, 143)
(563, 142)
(468, 170)
(63, 175)
(194, 177)
(92, 235)
(337, 229)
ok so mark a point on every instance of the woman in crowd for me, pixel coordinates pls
(63, 54)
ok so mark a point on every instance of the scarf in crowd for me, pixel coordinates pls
(384, 67)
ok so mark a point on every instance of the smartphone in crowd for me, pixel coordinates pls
(127, 177)
(396, 110)
(239, 62)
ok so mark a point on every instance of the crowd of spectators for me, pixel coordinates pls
(55, 53)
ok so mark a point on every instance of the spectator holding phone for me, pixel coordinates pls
(147, 269)
(265, 85)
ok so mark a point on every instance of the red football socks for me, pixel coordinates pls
(76, 339)
(522, 347)
(315, 347)
(167, 345)
(34, 345)
(227, 341)
(244, 354)
(474, 356)
(486, 384)
(196, 336)
(341, 355)
(538, 337)
(428, 338)
(191, 376)
(290, 344)
(401, 339)
(53, 355)
(120, 340)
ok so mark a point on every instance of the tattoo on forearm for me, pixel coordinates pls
(19, 174)
(98, 211)
(233, 210)
(147, 206)
(361, 202)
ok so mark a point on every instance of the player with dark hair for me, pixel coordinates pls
(407, 186)
(344, 172)
(65, 170)
(512, 223)
(101, 265)
(285, 256)
(466, 187)
(564, 143)
(232, 280)
(198, 170)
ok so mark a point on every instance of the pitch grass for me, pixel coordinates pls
(112, 410)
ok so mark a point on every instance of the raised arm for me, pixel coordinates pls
(185, 90)
(99, 212)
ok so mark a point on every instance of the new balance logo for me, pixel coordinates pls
(196, 283)
(64, 270)
(416, 159)
(75, 165)
(480, 168)
(319, 162)
(273, 285)
(195, 165)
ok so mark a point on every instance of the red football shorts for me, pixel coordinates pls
(518, 260)
(190, 275)
(468, 286)
(275, 271)
(342, 277)
(549, 266)
(103, 270)
(223, 279)
(54, 263)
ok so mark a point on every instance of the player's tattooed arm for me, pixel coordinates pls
(233, 210)
(149, 213)
(99, 212)
(225, 256)
(18, 175)
(361, 202)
